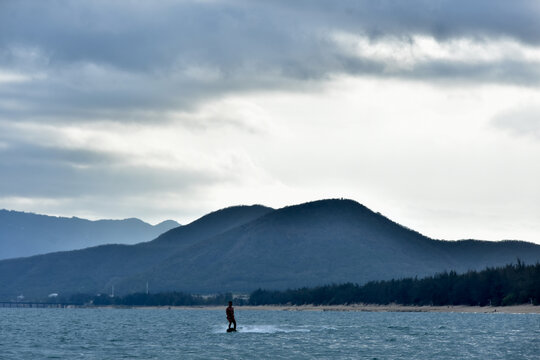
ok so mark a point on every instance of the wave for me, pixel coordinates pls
(266, 329)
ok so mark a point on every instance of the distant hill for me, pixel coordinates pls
(321, 242)
(245, 248)
(96, 269)
(25, 234)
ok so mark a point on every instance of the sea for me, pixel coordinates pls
(262, 334)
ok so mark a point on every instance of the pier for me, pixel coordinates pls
(26, 304)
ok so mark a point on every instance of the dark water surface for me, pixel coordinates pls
(200, 334)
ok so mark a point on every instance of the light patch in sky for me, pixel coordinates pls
(413, 151)
(429, 157)
(404, 53)
(10, 77)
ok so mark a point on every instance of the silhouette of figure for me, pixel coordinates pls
(230, 317)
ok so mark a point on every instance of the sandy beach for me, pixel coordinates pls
(515, 309)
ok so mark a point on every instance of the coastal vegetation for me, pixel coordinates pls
(175, 298)
(510, 285)
(513, 284)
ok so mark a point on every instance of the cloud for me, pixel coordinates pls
(46, 161)
(522, 121)
(34, 171)
(136, 61)
(442, 19)
(132, 108)
(120, 170)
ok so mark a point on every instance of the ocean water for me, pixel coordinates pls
(200, 334)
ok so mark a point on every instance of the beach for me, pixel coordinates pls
(514, 309)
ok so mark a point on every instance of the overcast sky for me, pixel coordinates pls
(427, 111)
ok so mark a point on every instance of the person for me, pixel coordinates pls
(230, 316)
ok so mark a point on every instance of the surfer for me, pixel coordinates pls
(230, 317)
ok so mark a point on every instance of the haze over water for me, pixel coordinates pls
(200, 334)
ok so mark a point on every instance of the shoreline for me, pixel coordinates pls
(513, 309)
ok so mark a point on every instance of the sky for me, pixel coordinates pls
(427, 111)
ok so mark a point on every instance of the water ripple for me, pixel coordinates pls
(200, 334)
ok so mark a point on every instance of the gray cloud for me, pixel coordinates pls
(134, 61)
(42, 172)
(145, 63)
(144, 37)
(442, 19)
(511, 72)
(76, 181)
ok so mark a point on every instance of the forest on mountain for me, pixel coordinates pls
(501, 286)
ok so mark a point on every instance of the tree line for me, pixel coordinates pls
(175, 298)
(501, 286)
(509, 285)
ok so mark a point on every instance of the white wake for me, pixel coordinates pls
(266, 329)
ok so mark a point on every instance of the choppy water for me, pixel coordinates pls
(200, 334)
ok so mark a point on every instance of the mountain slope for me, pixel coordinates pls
(320, 243)
(26, 234)
(96, 269)
(244, 248)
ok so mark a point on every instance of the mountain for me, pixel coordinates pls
(245, 248)
(321, 242)
(25, 234)
(96, 269)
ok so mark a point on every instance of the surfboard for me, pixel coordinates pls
(231, 330)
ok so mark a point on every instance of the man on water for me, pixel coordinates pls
(230, 316)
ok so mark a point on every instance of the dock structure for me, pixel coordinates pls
(27, 304)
